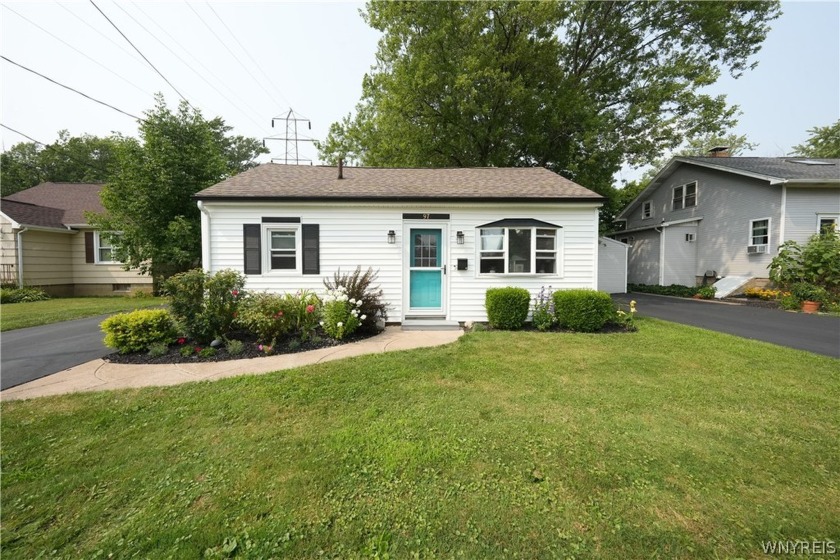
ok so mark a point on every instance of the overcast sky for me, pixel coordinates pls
(250, 61)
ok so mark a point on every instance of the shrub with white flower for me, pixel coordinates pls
(340, 315)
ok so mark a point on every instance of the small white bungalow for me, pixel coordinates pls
(437, 237)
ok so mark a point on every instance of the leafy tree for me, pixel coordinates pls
(824, 142)
(71, 159)
(577, 87)
(148, 199)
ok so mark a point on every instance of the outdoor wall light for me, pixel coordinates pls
(459, 237)
(392, 237)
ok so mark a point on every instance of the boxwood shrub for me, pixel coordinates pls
(507, 308)
(138, 330)
(583, 310)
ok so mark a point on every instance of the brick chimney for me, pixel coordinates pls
(719, 151)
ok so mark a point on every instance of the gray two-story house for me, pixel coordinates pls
(726, 217)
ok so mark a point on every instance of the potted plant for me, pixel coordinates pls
(809, 296)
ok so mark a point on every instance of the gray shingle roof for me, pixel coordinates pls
(789, 168)
(71, 199)
(273, 180)
(32, 214)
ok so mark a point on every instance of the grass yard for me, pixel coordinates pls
(672, 442)
(31, 314)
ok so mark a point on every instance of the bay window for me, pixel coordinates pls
(518, 247)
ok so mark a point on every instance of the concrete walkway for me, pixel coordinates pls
(99, 375)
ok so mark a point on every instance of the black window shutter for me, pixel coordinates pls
(252, 248)
(89, 257)
(311, 249)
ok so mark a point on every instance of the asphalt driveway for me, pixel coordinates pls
(29, 354)
(814, 333)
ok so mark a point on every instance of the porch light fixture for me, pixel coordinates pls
(459, 237)
(392, 237)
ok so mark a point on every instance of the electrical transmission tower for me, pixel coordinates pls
(291, 138)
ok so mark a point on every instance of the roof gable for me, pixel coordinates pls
(277, 181)
(776, 171)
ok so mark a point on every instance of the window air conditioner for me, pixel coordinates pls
(755, 249)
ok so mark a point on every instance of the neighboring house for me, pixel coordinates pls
(726, 217)
(437, 237)
(46, 242)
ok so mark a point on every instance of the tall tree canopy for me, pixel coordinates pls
(148, 198)
(578, 87)
(71, 159)
(823, 142)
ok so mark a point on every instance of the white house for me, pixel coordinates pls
(437, 237)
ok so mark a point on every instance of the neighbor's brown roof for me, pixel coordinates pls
(58, 204)
(273, 180)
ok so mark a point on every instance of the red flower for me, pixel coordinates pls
(310, 308)
(182, 340)
(197, 349)
(278, 314)
(234, 293)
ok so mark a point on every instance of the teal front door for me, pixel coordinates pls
(425, 269)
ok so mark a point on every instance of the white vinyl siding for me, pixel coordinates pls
(354, 234)
(803, 207)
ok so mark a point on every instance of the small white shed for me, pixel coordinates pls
(612, 266)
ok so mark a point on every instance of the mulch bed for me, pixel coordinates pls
(753, 302)
(287, 346)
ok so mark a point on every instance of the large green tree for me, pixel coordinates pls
(578, 87)
(148, 198)
(71, 159)
(823, 142)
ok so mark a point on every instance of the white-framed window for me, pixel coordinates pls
(647, 210)
(519, 250)
(760, 232)
(103, 247)
(828, 221)
(684, 196)
(282, 249)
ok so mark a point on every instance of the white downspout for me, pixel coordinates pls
(782, 217)
(205, 235)
(20, 255)
(661, 233)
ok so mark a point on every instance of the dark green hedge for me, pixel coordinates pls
(507, 308)
(583, 310)
(672, 290)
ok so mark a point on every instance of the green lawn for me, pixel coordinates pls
(672, 442)
(20, 315)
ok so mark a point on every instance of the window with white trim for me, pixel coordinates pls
(685, 196)
(647, 210)
(103, 247)
(513, 250)
(826, 222)
(760, 231)
(282, 248)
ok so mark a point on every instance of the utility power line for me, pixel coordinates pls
(70, 88)
(140, 53)
(75, 49)
(81, 19)
(80, 162)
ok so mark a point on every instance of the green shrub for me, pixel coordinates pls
(207, 352)
(158, 349)
(138, 330)
(22, 295)
(268, 316)
(304, 309)
(341, 315)
(706, 292)
(234, 347)
(672, 290)
(583, 310)
(507, 308)
(186, 351)
(206, 304)
(359, 287)
(817, 262)
(803, 291)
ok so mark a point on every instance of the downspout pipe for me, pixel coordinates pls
(205, 236)
(20, 233)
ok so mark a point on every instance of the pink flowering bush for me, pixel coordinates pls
(205, 304)
(268, 316)
(305, 309)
